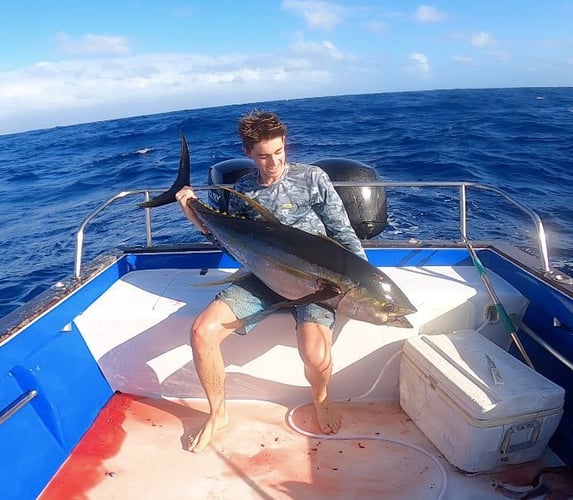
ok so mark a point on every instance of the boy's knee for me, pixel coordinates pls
(202, 334)
(315, 347)
(319, 360)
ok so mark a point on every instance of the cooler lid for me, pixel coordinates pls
(462, 365)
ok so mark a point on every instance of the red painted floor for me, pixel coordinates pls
(135, 449)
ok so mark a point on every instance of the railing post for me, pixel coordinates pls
(79, 252)
(463, 208)
(148, 233)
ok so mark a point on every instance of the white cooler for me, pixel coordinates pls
(477, 419)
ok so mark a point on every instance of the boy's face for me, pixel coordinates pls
(270, 158)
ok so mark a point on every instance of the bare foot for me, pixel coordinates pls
(328, 420)
(203, 437)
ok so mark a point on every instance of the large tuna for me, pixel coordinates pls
(301, 267)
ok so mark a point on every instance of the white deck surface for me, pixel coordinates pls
(138, 331)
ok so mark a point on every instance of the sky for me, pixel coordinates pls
(68, 61)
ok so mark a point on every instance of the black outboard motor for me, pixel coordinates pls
(226, 172)
(367, 207)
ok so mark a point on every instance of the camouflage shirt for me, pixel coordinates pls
(303, 198)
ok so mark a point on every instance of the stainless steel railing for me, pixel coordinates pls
(16, 405)
(461, 186)
(81, 229)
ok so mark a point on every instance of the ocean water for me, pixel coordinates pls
(519, 140)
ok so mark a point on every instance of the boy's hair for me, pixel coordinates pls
(258, 126)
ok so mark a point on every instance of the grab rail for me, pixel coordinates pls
(17, 405)
(462, 187)
(81, 229)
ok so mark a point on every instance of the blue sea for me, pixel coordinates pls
(519, 140)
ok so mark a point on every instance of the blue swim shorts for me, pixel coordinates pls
(249, 295)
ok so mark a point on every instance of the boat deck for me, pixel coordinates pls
(138, 332)
(136, 449)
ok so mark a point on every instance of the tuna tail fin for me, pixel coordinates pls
(183, 179)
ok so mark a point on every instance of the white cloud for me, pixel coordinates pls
(93, 45)
(419, 64)
(119, 86)
(317, 50)
(428, 14)
(317, 14)
(482, 39)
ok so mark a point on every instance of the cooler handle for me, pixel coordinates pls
(533, 428)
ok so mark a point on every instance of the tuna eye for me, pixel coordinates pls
(388, 307)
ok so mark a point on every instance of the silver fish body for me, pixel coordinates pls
(300, 266)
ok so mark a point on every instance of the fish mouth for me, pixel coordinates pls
(399, 322)
(402, 310)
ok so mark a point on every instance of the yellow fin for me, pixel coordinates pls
(331, 240)
(264, 212)
(236, 276)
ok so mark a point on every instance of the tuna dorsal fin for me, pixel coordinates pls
(268, 216)
(264, 212)
(331, 240)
